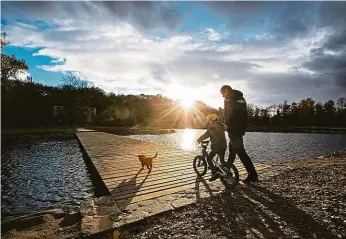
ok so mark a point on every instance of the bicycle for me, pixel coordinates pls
(228, 173)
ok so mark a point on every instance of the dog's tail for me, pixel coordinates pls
(154, 156)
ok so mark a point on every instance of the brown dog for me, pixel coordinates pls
(147, 161)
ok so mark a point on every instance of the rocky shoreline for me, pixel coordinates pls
(306, 199)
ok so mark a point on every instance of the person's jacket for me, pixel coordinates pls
(235, 113)
(217, 137)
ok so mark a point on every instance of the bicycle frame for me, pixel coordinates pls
(205, 154)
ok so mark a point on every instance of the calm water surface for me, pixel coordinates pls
(262, 147)
(40, 174)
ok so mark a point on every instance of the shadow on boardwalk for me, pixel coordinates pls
(129, 188)
(198, 190)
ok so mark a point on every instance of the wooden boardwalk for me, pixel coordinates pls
(115, 159)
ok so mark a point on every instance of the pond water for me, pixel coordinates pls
(42, 173)
(262, 147)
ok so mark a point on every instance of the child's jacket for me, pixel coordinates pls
(217, 137)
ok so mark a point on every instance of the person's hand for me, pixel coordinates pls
(225, 127)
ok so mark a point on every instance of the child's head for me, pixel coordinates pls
(212, 118)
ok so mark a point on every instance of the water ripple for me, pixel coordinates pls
(42, 173)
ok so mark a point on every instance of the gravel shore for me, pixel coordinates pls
(307, 201)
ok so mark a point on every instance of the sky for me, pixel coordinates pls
(271, 51)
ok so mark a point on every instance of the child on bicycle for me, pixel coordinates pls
(217, 137)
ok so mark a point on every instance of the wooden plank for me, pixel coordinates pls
(139, 198)
(128, 187)
(139, 189)
(129, 165)
(162, 179)
(114, 174)
(130, 168)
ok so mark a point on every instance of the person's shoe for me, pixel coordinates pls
(213, 177)
(251, 179)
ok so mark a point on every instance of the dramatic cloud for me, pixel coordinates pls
(143, 15)
(297, 50)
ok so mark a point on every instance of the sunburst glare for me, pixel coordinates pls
(184, 108)
(187, 103)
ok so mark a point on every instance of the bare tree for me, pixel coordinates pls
(74, 81)
(3, 40)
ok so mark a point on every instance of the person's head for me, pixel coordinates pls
(225, 90)
(212, 118)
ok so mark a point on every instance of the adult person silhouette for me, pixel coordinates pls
(235, 123)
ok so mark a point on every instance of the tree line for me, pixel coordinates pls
(30, 104)
(307, 112)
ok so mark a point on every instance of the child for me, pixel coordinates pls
(217, 137)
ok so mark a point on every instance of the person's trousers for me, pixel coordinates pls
(236, 146)
(212, 154)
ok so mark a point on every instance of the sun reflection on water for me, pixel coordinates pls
(188, 139)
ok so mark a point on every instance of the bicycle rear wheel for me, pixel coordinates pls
(232, 177)
(200, 166)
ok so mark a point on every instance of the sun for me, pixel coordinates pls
(186, 103)
(184, 96)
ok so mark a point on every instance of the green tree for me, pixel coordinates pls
(10, 65)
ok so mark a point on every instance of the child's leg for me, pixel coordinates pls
(222, 156)
(214, 175)
(210, 160)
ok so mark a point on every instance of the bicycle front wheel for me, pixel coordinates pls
(200, 166)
